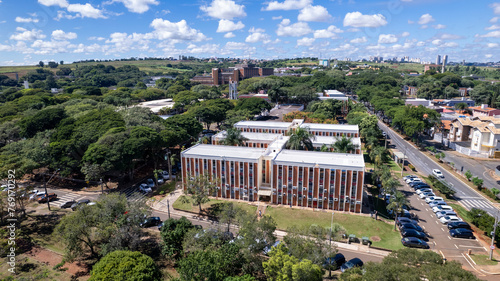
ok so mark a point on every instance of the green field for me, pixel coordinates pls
(483, 260)
(189, 207)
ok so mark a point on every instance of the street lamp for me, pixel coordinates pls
(331, 233)
(493, 233)
(45, 187)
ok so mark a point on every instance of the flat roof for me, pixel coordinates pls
(333, 127)
(264, 124)
(209, 151)
(320, 140)
(323, 159)
(252, 136)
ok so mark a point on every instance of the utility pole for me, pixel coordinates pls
(102, 187)
(329, 265)
(403, 162)
(493, 236)
(168, 208)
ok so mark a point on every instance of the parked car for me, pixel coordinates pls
(268, 248)
(430, 199)
(448, 219)
(334, 262)
(405, 178)
(410, 226)
(402, 220)
(437, 173)
(420, 186)
(151, 221)
(145, 188)
(79, 203)
(442, 208)
(422, 190)
(68, 204)
(426, 194)
(415, 179)
(414, 183)
(355, 262)
(413, 233)
(445, 213)
(36, 194)
(47, 197)
(458, 224)
(462, 233)
(151, 183)
(165, 175)
(414, 242)
(160, 180)
(437, 203)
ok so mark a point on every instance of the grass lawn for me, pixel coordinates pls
(358, 225)
(394, 166)
(461, 211)
(484, 260)
(188, 206)
(165, 188)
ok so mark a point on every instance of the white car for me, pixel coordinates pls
(447, 219)
(36, 194)
(413, 180)
(145, 188)
(165, 175)
(445, 213)
(430, 199)
(425, 194)
(409, 177)
(437, 173)
(160, 181)
(442, 208)
(437, 203)
(423, 190)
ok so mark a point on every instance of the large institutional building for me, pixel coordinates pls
(221, 76)
(262, 169)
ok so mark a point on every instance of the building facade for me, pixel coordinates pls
(222, 76)
(262, 169)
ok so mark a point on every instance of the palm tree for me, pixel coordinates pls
(377, 155)
(233, 137)
(396, 204)
(461, 106)
(300, 139)
(344, 145)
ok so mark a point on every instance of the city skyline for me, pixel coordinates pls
(73, 30)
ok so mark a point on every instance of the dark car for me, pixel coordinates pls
(420, 186)
(410, 226)
(414, 242)
(151, 221)
(355, 262)
(458, 224)
(417, 183)
(49, 197)
(68, 204)
(80, 202)
(335, 262)
(413, 233)
(402, 220)
(462, 233)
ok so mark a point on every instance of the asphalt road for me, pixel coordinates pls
(464, 194)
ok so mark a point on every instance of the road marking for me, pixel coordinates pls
(431, 215)
(442, 254)
(455, 246)
(427, 210)
(437, 223)
(434, 243)
(449, 237)
(442, 229)
(472, 247)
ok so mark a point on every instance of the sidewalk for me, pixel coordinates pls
(162, 207)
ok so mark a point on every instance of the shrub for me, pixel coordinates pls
(477, 182)
(495, 191)
(411, 167)
(490, 193)
(468, 175)
(440, 155)
(431, 149)
(443, 188)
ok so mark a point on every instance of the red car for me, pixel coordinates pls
(45, 197)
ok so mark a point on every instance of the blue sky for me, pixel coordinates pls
(71, 30)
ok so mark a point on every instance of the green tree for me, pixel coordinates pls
(477, 182)
(282, 266)
(200, 188)
(43, 120)
(461, 106)
(254, 105)
(234, 137)
(468, 175)
(300, 139)
(125, 265)
(396, 203)
(173, 233)
(344, 145)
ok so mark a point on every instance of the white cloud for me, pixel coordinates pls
(448, 36)
(253, 29)
(387, 39)
(375, 47)
(236, 46)
(330, 32)
(294, 30)
(287, 5)
(97, 38)
(229, 35)
(224, 9)
(494, 34)
(26, 20)
(60, 3)
(492, 45)
(356, 19)
(450, 45)
(228, 26)
(314, 13)
(359, 40)
(305, 41)
(405, 34)
(437, 41)
(61, 35)
(207, 48)
(138, 6)
(165, 29)
(493, 27)
(258, 37)
(488, 56)
(86, 11)
(496, 8)
(27, 35)
(50, 47)
(439, 26)
(421, 43)
(425, 19)
(494, 20)
(277, 18)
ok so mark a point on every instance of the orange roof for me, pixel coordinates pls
(446, 124)
(478, 108)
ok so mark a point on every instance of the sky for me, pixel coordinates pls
(73, 30)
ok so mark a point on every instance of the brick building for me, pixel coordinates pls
(221, 76)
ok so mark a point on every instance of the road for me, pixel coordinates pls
(464, 194)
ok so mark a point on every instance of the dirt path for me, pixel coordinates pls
(51, 259)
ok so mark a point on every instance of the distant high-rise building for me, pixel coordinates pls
(438, 59)
(445, 61)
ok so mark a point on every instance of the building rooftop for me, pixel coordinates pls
(334, 127)
(323, 159)
(252, 136)
(229, 152)
(263, 124)
(479, 108)
(320, 140)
